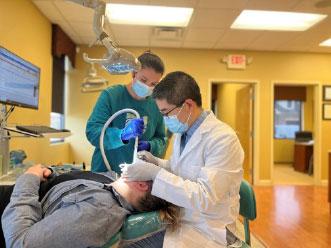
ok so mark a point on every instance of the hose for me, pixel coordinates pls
(111, 118)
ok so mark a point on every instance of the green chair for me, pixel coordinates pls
(142, 224)
(247, 207)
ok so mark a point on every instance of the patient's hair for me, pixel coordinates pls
(169, 213)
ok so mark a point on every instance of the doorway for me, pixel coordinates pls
(233, 103)
(293, 134)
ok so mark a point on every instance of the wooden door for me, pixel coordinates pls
(244, 127)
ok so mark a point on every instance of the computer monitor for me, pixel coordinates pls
(19, 81)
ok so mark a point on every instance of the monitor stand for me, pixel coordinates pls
(4, 142)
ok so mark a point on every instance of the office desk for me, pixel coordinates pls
(302, 154)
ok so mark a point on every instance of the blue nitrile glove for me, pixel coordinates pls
(144, 145)
(139, 171)
(133, 129)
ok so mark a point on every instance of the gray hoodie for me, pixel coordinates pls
(77, 213)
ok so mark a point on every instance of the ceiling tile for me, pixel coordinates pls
(214, 18)
(237, 39)
(74, 12)
(212, 4)
(208, 28)
(279, 5)
(133, 43)
(174, 3)
(271, 40)
(82, 28)
(141, 2)
(49, 10)
(159, 43)
(88, 40)
(198, 44)
(123, 32)
(203, 35)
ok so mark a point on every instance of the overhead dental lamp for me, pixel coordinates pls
(92, 82)
(117, 60)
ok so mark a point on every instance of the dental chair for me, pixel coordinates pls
(143, 225)
(247, 209)
(137, 227)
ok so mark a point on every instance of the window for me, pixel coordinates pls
(287, 114)
(58, 95)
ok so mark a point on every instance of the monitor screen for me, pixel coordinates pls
(19, 81)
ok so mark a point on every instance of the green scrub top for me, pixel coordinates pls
(110, 101)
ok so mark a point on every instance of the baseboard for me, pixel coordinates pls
(263, 183)
(325, 182)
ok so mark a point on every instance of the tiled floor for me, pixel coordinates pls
(285, 174)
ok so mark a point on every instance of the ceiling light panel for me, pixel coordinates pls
(148, 15)
(276, 20)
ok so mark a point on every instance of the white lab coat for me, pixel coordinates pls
(205, 181)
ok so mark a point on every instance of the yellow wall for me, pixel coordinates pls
(204, 65)
(284, 148)
(26, 32)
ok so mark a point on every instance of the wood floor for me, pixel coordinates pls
(292, 216)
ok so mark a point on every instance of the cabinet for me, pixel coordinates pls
(302, 155)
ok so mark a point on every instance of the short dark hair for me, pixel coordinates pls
(176, 87)
(151, 60)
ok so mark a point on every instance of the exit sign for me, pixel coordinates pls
(236, 61)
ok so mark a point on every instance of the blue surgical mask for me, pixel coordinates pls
(175, 125)
(141, 89)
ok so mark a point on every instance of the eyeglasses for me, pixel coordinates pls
(167, 113)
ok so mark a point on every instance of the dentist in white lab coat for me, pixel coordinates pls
(204, 172)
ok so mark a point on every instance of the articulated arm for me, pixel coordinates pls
(118, 60)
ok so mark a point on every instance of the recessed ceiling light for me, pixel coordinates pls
(276, 20)
(148, 15)
(326, 43)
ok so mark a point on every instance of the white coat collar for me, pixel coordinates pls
(205, 127)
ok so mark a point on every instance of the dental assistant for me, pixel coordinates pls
(120, 135)
(204, 172)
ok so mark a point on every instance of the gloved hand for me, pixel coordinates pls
(144, 145)
(148, 157)
(133, 129)
(139, 171)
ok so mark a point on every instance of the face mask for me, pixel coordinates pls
(174, 125)
(141, 89)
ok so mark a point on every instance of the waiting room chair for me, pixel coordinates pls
(247, 207)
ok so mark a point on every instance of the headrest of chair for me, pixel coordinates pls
(138, 225)
(247, 201)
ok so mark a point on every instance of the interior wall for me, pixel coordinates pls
(205, 66)
(284, 148)
(27, 33)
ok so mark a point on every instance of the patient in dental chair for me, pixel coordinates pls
(77, 209)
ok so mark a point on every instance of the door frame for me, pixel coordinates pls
(256, 115)
(316, 128)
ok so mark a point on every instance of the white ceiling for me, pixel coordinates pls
(209, 27)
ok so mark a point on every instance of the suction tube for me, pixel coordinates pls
(111, 118)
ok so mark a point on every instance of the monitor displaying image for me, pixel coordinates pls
(19, 81)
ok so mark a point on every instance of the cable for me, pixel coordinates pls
(9, 112)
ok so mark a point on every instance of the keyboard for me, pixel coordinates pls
(40, 129)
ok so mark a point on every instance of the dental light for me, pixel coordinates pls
(117, 60)
(92, 82)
